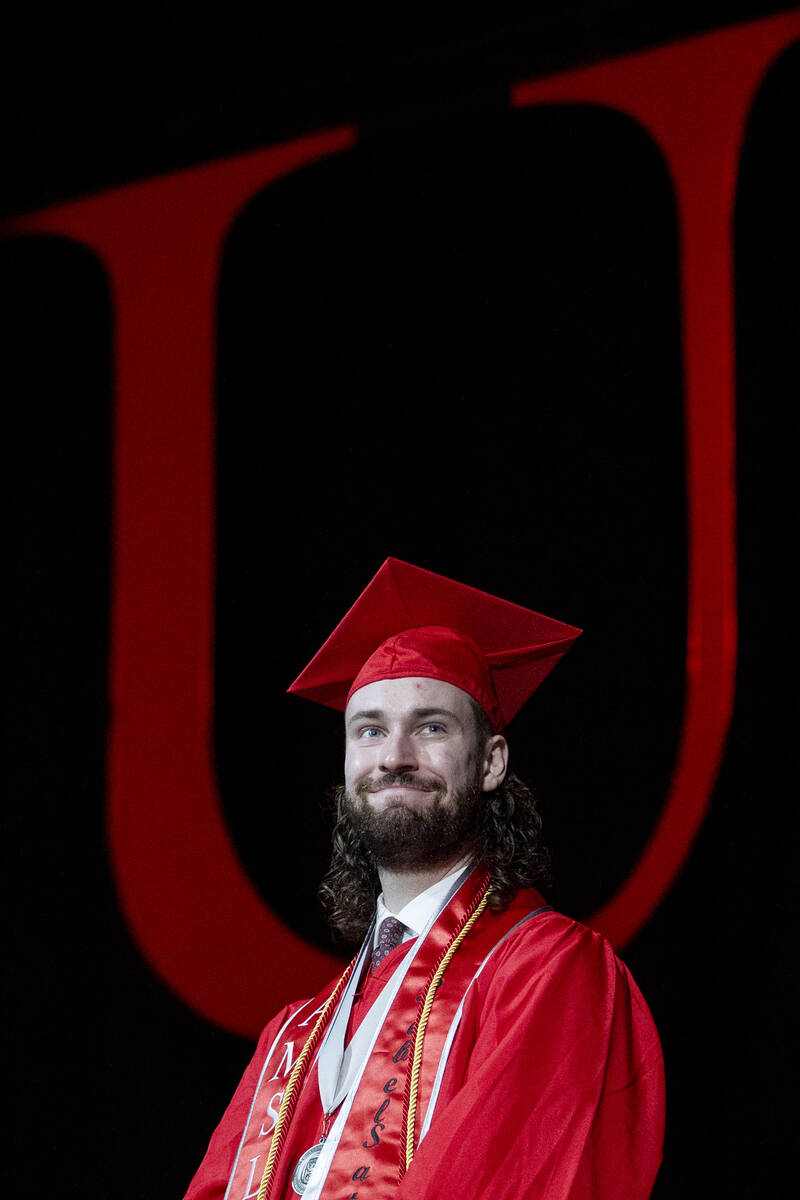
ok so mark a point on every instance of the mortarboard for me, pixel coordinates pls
(412, 622)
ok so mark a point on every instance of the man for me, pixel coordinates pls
(480, 1044)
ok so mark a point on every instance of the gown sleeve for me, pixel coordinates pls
(211, 1178)
(554, 1087)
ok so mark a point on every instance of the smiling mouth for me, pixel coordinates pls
(401, 785)
(402, 797)
(398, 784)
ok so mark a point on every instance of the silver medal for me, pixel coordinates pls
(305, 1165)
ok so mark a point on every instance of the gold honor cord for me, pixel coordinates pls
(421, 1027)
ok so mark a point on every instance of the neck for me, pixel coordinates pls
(400, 887)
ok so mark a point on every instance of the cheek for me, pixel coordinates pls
(356, 762)
(447, 766)
(459, 771)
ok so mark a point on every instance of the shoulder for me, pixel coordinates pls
(554, 973)
(288, 1015)
(548, 953)
(295, 1019)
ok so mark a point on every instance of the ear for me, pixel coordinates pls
(495, 762)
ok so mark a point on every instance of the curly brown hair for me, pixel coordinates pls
(507, 839)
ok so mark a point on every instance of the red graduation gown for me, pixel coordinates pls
(553, 1088)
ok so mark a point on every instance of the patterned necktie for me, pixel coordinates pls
(390, 935)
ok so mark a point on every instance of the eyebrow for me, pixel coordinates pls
(376, 714)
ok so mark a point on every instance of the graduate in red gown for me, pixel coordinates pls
(479, 1044)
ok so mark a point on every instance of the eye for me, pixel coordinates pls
(370, 732)
(433, 727)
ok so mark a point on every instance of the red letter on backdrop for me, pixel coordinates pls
(693, 99)
(192, 909)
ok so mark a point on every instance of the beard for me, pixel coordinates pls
(401, 838)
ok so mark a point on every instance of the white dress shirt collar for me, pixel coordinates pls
(416, 914)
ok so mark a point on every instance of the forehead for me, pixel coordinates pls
(399, 697)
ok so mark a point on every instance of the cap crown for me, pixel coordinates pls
(409, 622)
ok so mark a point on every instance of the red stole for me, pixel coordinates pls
(367, 1159)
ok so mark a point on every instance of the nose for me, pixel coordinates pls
(398, 753)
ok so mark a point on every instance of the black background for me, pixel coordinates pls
(467, 360)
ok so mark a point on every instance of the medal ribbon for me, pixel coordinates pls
(373, 1143)
(337, 1066)
(292, 1091)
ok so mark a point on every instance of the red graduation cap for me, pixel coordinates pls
(410, 622)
